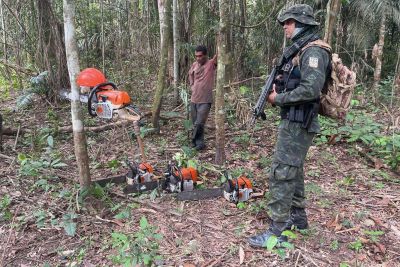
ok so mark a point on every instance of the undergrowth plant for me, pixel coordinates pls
(361, 128)
(139, 248)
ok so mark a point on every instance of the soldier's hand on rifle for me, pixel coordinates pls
(272, 95)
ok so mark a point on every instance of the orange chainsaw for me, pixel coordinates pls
(176, 179)
(238, 190)
(105, 101)
(180, 179)
(139, 173)
(234, 190)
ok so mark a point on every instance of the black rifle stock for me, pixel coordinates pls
(258, 110)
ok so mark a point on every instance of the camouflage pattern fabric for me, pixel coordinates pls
(286, 182)
(313, 65)
(300, 12)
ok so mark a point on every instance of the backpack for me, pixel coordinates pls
(338, 90)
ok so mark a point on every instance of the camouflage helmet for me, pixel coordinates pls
(300, 12)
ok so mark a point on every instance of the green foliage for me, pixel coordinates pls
(241, 205)
(185, 158)
(361, 127)
(30, 166)
(313, 188)
(243, 139)
(356, 245)
(346, 181)
(5, 212)
(272, 244)
(334, 245)
(244, 90)
(264, 162)
(113, 164)
(68, 223)
(39, 86)
(40, 216)
(374, 235)
(138, 248)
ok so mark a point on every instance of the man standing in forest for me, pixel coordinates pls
(201, 79)
(302, 73)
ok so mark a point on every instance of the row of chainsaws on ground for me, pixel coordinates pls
(106, 101)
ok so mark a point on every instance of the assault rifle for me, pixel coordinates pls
(258, 110)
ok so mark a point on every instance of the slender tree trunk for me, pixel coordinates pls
(103, 60)
(378, 62)
(50, 53)
(241, 46)
(332, 12)
(175, 33)
(81, 154)
(3, 26)
(339, 30)
(396, 78)
(162, 70)
(221, 71)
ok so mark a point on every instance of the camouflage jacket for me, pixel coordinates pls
(313, 64)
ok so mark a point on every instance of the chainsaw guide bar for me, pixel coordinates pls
(200, 194)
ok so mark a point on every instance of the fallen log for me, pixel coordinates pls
(68, 129)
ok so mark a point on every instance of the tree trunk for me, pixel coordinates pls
(162, 70)
(175, 33)
(50, 52)
(241, 46)
(221, 71)
(378, 62)
(332, 12)
(396, 78)
(81, 154)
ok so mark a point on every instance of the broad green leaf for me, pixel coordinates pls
(70, 227)
(146, 259)
(192, 163)
(22, 157)
(289, 234)
(143, 222)
(50, 141)
(271, 242)
(125, 214)
(287, 245)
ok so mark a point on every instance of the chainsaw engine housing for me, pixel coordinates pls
(181, 179)
(238, 190)
(138, 174)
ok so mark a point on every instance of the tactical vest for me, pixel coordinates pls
(287, 81)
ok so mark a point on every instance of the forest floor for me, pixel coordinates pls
(353, 205)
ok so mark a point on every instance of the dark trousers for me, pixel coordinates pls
(199, 113)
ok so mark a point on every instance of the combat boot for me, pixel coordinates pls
(275, 229)
(298, 217)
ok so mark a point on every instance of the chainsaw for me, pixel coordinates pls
(180, 179)
(176, 179)
(104, 100)
(139, 173)
(234, 190)
(238, 190)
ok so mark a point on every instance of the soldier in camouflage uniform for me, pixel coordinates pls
(301, 77)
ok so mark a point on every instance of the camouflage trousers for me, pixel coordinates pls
(286, 181)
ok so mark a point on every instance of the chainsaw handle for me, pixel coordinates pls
(93, 93)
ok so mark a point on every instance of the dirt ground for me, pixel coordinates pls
(353, 208)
